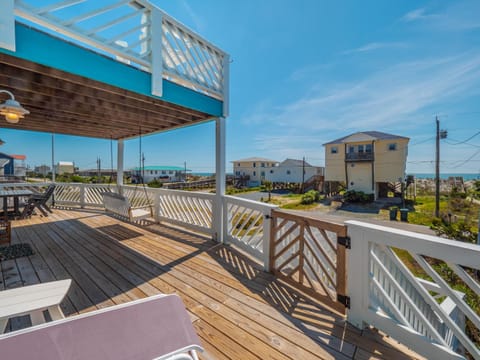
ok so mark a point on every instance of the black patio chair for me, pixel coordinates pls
(39, 201)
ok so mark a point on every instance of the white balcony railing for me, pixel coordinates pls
(410, 301)
(134, 32)
(247, 227)
(385, 292)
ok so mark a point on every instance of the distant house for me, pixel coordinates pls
(252, 171)
(12, 165)
(367, 161)
(65, 167)
(161, 173)
(291, 171)
(19, 166)
(42, 169)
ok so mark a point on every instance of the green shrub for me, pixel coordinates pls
(353, 196)
(155, 184)
(310, 197)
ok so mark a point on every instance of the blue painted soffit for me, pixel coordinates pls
(44, 49)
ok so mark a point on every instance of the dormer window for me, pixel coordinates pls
(392, 146)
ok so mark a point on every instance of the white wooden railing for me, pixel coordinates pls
(247, 226)
(135, 32)
(192, 210)
(386, 294)
(418, 309)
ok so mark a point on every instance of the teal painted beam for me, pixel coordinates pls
(45, 49)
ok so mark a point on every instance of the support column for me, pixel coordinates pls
(120, 154)
(7, 25)
(220, 179)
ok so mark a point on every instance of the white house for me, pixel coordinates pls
(367, 161)
(252, 171)
(291, 171)
(65, 167)
(160, 173)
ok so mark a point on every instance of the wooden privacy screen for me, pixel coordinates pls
(304, 252)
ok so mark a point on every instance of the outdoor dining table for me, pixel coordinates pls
(15, 194)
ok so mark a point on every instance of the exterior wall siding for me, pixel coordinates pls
(335, 163)
(390, 165)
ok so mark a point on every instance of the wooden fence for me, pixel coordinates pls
(305, 253)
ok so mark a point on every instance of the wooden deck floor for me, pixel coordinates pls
(239, 311)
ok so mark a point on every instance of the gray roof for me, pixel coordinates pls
(378, 135)
(294, 163)
(255, 159)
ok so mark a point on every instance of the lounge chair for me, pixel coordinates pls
(38, 201)
(33, 300)
(157, 328)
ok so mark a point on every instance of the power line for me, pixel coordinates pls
(465, 161)
(464, 141)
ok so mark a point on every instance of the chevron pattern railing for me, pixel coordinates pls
(139, 34)
(192, 210)
(420, 297)
(247, 226)
(305, 253)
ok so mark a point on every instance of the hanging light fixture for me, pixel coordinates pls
(11, 109)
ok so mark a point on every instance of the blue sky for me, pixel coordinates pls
(306, 72)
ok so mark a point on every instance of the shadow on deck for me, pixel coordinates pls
(238, 310)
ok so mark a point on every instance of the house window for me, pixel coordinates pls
(170, 172)
(368, 148)
(238, 164)
(164, 172)
(271, 171)
(254, 173)
(254, 164)
(360, 148)
(237, 173)
(392, 146)
(262, 173)
(333, 150)
(288, 172)
(156, 172)
(263, 164)
(351, 149)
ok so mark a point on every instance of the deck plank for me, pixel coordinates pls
(237, 310)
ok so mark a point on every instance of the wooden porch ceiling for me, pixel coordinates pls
(65, 103)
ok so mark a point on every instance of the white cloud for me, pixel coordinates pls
(459, 16)
(417, 14)
(386, 98)
(375, 46)
(196, 19)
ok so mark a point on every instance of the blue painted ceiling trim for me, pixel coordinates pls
(39, 47)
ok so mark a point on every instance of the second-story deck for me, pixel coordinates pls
(239, 311)
(356, 156)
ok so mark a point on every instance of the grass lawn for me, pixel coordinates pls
(424, 212)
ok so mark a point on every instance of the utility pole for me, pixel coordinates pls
(99, 167)
(303, 174)
(143, 167)
(441, 134)
(53, 157)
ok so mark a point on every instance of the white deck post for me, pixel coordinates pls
(358, 283)
(120, 154)
(156, 20)
(218, 221)
(7, 25)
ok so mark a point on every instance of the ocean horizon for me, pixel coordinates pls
(447, 175)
